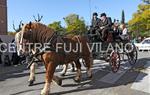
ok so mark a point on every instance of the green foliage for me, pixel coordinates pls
(57, 27)
(12, 33)
(75, 25)
(141, 20)
(71, 19)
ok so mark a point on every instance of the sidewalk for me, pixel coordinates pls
(11, 69)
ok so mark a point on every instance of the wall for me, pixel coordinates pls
(3, 17)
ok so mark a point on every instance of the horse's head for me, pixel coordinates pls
(27, 30)
(35, 32)
(26, 37)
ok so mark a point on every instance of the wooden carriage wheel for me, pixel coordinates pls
(114, 61)
(133, 55)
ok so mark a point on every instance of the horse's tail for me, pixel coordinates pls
(80, 41)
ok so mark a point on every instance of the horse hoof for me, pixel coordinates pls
(77, 80)
(58, 80)
(90, 77)
(31, 83)
(63, 74)
(73, 70)
(44, 94)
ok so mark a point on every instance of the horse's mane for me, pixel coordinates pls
(40, 32)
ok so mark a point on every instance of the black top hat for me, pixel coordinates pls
(103, 14)
(95, 14)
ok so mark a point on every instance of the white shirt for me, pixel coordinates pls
(124, 31)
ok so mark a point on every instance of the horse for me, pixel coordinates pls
(40, 33)
(33, 65)
(18, 40)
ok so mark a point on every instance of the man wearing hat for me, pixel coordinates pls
(104, 26)
(95, 21)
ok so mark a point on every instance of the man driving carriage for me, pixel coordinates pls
(94, 25)
(100, 26)
(104, 26)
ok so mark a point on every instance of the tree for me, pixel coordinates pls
(140, 21)
(19, 26)
(57, 27)
(75, 25)
(123, 17)
(12, 33)
(146, 1)
(71, 19)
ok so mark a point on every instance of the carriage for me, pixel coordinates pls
(121, 50)
(52, 58)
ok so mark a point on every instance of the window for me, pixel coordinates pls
(146, 42)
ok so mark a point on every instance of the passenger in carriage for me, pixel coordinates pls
(116, 27)
(116, 31)
(104, 26)
(94, 25)
(124, 32)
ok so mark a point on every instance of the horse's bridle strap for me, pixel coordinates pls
(52, 38)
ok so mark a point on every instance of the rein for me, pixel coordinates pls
(34, 56)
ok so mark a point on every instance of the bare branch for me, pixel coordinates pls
(34, 18)
(20, 25)
(38, 19)
(14, 26)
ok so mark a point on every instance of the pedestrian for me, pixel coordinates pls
(7, 61)
(15, 57)
(2, 48)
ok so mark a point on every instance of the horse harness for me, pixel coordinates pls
(51, 41)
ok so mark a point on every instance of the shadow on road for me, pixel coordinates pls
(15, 72)
(128, 78)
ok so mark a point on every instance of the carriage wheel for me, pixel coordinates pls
(132, 56)
(114, 61)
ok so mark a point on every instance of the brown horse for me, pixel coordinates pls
(55, 55)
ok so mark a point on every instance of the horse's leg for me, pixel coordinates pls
(89, 62)
(65, 66)
(32, 74)
(50, 69)
(57, 80)
(73, 67)
(78, 76)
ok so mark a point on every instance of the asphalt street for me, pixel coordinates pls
(129, 80)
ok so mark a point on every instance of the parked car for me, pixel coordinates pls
(144, 45)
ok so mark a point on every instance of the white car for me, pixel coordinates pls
(144, 45)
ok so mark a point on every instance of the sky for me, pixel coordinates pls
(56, 10)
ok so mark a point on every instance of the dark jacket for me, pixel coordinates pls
(107, 23)
(95, 23)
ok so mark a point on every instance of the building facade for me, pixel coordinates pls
(3, 17)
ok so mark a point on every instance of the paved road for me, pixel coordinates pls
(127, 81)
